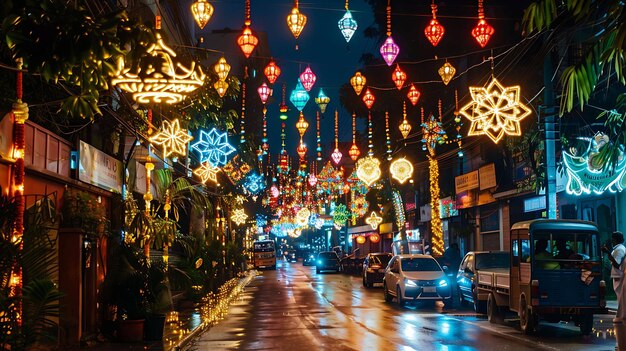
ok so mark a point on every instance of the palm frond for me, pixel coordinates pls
(539, 15)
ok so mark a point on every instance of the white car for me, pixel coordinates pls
(415, 277)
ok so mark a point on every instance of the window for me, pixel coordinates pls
(420, 265)
(525, 249)
(492, 260)
(381, 260)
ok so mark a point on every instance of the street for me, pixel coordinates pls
(293, 308)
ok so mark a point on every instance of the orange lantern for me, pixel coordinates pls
(354, 152)
(202, 12)
(247, 41)
(483, 31)
(434, 31)
(399, 77)
(302, 125)
(302, 149)
(413, 95)
(272, 71)
(358, 82)
(368, 99)
(296, 21)
(374, 238)
(360, 239)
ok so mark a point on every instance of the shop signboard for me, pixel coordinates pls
(466, 182)
(99, 169)
(487, 176)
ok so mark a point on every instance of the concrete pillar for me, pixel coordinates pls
(70, 284)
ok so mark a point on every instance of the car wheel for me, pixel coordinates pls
(388, 296)
(586, 325)
(527, 319)
(495, 314)
(479, 306)
(364, 281)
(401, 301)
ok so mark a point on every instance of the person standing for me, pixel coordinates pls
(616, 257)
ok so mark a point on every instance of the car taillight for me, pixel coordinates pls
(534, 292)
(602, 293)
(375, 266)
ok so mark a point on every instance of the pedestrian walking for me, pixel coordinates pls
(617, 273)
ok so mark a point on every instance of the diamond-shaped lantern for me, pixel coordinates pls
(482, 32)
(222, 68)
(434, 31)
(221, 87)
(247, 41)
(302, 125)
(354, 152)
(446, 72)
(347, 25)
(405, 128)
(202, 12)
(308, 79)
(389, 50)
(272, 71)
(399, 77)
(336, 156)
(264, 92)
(296, 21)
(413, 95)
(368, 99)
(322, 101)
(358, 82)
(299, 96)
(302, 149)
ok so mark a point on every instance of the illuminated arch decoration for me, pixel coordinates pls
(368, 170)
(206, 172)
(254, 183)
(172, 139)
(347, 24)
(495, 111)
(158, 78)
(374, 220)
(585, 174)
(302, 217)
(401, 170)
(239, 216)
(213, 147)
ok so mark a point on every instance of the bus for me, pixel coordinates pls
(264, 254)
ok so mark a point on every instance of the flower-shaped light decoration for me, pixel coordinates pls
(413, 95)
(368, 170)
(213, 147)
(264, 92)
(221, 87)
(446, 72)
(495, 111)
(202, 12)
(308, 78)
(399, 77)
(272, 71)
(312, 179)
(483, 31)
(206, 172)
(373, 220)
(167, 82)
(358, 82)
(347, 25)
(222, 68)
(239, 216)
(296, 21)
(369, 99)
(302, 217)
(172, 138)
(254, 183)
(434, 31)
(359, 207)
(299, 96)
(401, 170)
(322, 101)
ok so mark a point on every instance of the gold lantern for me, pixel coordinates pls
(296, 21)
(302, 125)
(202, 12)
(446, 72)
(221, 87)
(358, 82)
(222, 68)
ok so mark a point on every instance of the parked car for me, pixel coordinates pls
(327, 261)
(374, 266)
(308, 259)
(291, 256)
(411, 277)
(467, 275)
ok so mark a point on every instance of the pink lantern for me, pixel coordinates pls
(308, 79)
(312, 179)
(336, 156)
(389, 50)
(264, 92)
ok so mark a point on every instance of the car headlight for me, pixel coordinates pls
(443, 283)
(319, 261)
(410, 283)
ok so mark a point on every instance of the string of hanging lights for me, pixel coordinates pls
(354, 149)
(247, 41)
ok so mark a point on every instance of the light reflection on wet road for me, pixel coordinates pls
(293, 308)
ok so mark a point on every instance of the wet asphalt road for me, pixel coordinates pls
(293, 308)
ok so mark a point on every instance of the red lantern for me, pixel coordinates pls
(307, 78)
(354, 152)
(399, 77)
(272, 71)
(413, 95)
(247, 41)
(434, 31)
(264, 92)
(374, 238)
(368, 99)
(483, 31)
(302, 149)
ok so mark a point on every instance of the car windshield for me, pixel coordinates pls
(419, 265)
(328, 255)
(492, 260)
(264, 246)
(380, 260)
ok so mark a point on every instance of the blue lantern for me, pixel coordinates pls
(299, 96)
(347, 25)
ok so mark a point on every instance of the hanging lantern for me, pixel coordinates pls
(405, 127)
(264, 92)
(389, 50)
(374, 238)
(368, 170)
(483, 31)
(401, 170)
(354, 152)
(347, 25)
(299, 97)
(358, 82)
(360, 239)
(296, 21)
(308, 79)
(221, 87)
(312, 179)
(446, 72)
(434, 31)
(413, 95)
(272, 71)
(336, 156)
(302, 125)
(222, 68)
(322, 101)
(202, 12)
(302, 149)
(399, 77)
(368, 99)
(247, 41)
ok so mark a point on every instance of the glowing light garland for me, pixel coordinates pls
(435, 221)
(206, 172)
(387, 136)
(374, 220)
(172, 138)
(239, 216)
(213, 147)
(495, 111)
(336, 155)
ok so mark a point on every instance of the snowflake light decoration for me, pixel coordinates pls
(213, 147)
(239, 216)
(495, 111)
(172, 138)
(255, 183)
(207, 172)
(373, 220)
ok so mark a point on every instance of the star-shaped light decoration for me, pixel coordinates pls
(172, 138)
(213, 147)
(239, 216)
(495, 111)
(255, 183)
(373, 220)
(207, 172)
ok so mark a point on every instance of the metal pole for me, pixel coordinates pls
(551, 136)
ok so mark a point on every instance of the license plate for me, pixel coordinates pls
(378, 284)
(430, 289)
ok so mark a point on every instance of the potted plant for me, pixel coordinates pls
(158, 300)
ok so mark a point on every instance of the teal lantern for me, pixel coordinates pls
(299, 96)
(347, 25)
